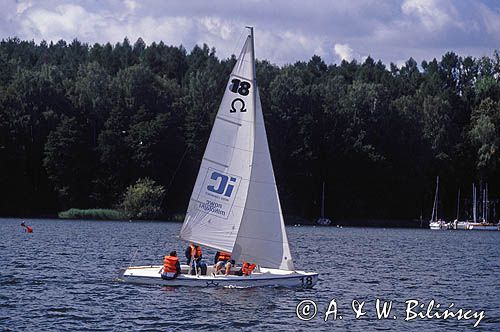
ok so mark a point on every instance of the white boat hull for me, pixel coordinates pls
(438, 225)
(323, 221)
(462, 225)
(265, 278)
(483, 227)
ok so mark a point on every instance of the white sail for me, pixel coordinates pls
(220, 192)
(262, 237)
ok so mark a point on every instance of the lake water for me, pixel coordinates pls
(62, 277)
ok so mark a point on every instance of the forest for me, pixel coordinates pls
(80, 123)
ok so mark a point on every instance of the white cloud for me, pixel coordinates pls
(286, 30)
(344, 51)
(491, 20)
(172, 30)
(66, 21)
(218, 27)
(131, 4)
(22, 6)
(434, 14)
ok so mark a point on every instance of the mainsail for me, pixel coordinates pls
(216, 206)
(235, 205)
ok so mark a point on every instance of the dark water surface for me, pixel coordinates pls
(62, 277)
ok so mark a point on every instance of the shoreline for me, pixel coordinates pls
(291, 221)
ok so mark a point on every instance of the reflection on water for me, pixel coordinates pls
(62, 277)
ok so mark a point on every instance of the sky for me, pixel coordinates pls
(286, 31)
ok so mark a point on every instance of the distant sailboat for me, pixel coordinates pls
(322, 220)
(234, 205)
(484, 225)
(435, 223)
(457, 224)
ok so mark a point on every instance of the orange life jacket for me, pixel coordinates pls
(224, 256)
(170, 264)
(29, 229)
(247, 268)
(197, 252)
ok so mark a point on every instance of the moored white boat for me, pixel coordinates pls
(234, 205)
(435, 223)
(483, 226)
(461, 225)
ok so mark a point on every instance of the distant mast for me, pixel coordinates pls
(322, 220)
(486, 203)
(323, 202)
(435, 206)
(474, 205)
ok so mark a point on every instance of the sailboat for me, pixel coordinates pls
(435, 223)
(322, 220)
(459, 225)
(234, 206)
(484, 225)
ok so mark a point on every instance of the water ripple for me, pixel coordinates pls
(63, 278)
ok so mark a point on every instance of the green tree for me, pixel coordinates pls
(143, 199)
(485, 135)
(91, 95)
(66, 160)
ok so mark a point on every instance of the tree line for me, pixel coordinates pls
(80, 123)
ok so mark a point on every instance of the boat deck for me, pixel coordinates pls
(261, 277)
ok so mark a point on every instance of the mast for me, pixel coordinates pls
(323, 202)
(458, 204)
(434, 207)
(474, 212)
(486, 203)
(254, 82)
(482, 201)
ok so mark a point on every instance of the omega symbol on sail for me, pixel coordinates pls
(225, 186)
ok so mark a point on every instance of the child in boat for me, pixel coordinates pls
(171, 266)
(221, 259)
(194, 251)
(246, 269)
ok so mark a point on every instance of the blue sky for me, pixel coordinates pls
(285, 30)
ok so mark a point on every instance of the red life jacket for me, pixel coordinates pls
(197, 250)
(29, 229)
(170, 264)
(224, 256)
(247, 268)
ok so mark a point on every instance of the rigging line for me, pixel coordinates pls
(133, 256)
(237, 44)
(188, 147)
(202, 116)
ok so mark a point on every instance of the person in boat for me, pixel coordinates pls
(171, 266)
(246, 269)
(27, 229)
(194, 258)
(221, 259)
